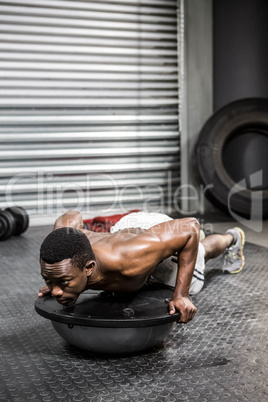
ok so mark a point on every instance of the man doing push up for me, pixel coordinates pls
(141, 248)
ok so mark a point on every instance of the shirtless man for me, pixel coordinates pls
(74, 259)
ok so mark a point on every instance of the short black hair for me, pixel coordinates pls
(64, 243)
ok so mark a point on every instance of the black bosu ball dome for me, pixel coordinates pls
(113, 323)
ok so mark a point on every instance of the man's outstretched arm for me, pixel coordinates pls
(186, 264)
(182, 236)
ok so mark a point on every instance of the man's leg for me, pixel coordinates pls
(216, 244)
(231, 244)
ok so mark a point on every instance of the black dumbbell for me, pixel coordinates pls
(13, 222)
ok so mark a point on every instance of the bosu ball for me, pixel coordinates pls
(113, 323)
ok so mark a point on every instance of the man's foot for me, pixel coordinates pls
(233, 259)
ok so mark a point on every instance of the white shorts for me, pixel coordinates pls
(166, 271)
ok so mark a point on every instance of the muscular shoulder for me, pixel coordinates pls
(132, 254)
(127, 253)
(137, 254)
(159, 242)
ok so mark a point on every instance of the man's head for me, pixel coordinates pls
(67, 260)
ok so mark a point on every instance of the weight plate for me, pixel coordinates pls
(7, 224)
(21, 220)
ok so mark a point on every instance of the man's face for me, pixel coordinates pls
(64, 280)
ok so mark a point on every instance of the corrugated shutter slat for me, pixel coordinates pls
(88, 106)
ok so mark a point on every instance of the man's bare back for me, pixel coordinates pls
(118, 269)
(124, 260)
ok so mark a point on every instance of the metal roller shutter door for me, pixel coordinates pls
(88, 106)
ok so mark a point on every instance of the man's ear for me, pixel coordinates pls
(90, 265)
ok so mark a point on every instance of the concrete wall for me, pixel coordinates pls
(240, 47)
(197, 102)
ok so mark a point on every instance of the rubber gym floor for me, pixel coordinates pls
(219, 356)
